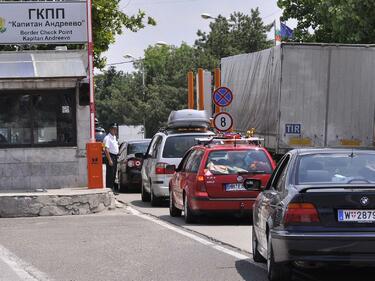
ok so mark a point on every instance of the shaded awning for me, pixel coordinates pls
(43, 64)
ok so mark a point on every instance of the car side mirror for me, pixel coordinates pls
(146, 156)
(170, 168)
(253, 184)
(140, 155)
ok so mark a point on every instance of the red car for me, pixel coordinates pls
(210, 178)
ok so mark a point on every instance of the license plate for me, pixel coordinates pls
(356, 215)
(234, 187)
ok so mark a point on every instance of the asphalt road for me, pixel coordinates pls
(235, 233)
(111, 246)
(135, 243)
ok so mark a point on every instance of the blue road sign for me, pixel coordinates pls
(222, 97)
(293, 129)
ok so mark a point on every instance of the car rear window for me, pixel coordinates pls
(140, 147)
(336, 168)
(228, 162)
(176, 146)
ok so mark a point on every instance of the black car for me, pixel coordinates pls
(318, 208)
(130, 162)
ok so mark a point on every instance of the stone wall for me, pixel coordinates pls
(80, 203)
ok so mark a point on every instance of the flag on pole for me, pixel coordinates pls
(285, 31)
(277, 33)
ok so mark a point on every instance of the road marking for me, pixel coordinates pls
(171, 227)
(190, 235)
(230, 252)
(24, 271)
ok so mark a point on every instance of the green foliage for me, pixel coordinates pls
(119, 98)
(339, 21)
(109, 21)
(241, 34)
(166, 69)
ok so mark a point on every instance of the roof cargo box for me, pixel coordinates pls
(188, 118)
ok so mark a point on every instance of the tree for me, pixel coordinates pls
(108, 21)
(166, 68)
(241, 34)
(119, 98)
(339, 21)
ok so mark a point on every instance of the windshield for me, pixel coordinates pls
(336, 169)
(228, 162)
(176, 147)
(140, 147)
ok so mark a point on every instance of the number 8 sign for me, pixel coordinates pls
(223, 122)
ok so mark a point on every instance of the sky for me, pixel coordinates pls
(178, 21)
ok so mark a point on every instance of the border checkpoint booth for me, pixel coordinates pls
(44, 119)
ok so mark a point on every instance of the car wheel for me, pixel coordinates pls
(276, 271)
(257, 256)
(188, 214)
(173, 211)
(155, 201)
(145, 195)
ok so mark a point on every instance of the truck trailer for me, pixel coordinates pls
(304, 95)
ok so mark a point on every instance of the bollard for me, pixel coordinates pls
(94, 165)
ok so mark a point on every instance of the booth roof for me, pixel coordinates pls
(43, 64)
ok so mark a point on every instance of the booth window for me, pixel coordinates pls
(38, 118)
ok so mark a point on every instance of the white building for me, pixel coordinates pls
(44, 119)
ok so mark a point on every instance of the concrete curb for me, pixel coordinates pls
(60, 202)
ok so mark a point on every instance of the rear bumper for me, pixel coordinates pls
(221, 205)
(133, 177)
(334, 247)
(160, 185)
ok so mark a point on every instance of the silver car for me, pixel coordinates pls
(166, 148)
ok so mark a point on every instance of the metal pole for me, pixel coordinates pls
(201, 89)
(217, 85)
(90, 50)
(144, 94)
(191, 90)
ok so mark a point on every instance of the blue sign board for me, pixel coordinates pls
(222, 97)
(293, 129)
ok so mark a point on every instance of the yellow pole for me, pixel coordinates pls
(201, 88)
(217, 85)
(191, 90)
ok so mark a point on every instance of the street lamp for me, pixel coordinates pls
(162, 43)
(207, 16)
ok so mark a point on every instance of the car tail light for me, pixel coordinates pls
(161, 169)
(131, 163)
(301, 213)
(201, 184)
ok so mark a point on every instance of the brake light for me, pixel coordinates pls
(200, 178)
(161, 169)
(134, 163)
(201, 184)
(301, 213)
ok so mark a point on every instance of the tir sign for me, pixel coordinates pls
(293, 129)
